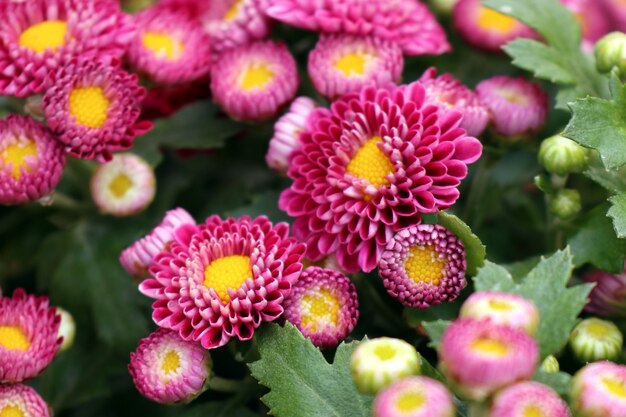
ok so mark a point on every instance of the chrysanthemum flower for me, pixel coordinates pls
(253, 81)
(31, 160)
(137, 258)
(423, 265)
(594, 20)
(415, 396)
(617, 10)
(44, 35)
(170, 47)
(502, 308)
(486, 28)
(124, 186)
(371, 166)
(341, 64)
(599, 390)
(21, 401)
(408, 23)
(28, 336)
(449, 94)
(518, 107)
(608, 296)
(528, 399)
(169, 370)
(594, 339)
(223, 278)
(323, 305)
(481, 357)
(93, 107)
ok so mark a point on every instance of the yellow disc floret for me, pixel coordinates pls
(120, 185)
(89, 106)
(409, 402)
(352, 64)
(385, 352)
(163, 46)
(13, 338)
(533, 411)
(171, 362)
(233, 11)
(615, 386)
(319, 308)
(16, 155)
(371, 164)
(11, 411)
(45, 35)
(423, 264)
(489, 19)
(599, 329)
(227, 272)
(490, 347)
(256, 76)
(500, 305)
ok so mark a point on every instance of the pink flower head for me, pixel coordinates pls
(40, 36)
(518, 107)
(501, 308)
(415, 396)
(222, 279)
(616, 9)
(485, 28)
(31, 160)
(169, 370)
(254, 81)
(28, 336)
(423, 265)
(93, 107)
(371, 166)
(481, 357)
(323, 305)
(408, 23)
(19, 400)
(528, 399)
(594, 20)
(599, 390)
(449, 94)
(137, 258)
(341, 64)
(608, 297)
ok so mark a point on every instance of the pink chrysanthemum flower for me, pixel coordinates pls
(608, 297)
(594, 20)
(599, 390)
(254, 81)
(485, 28)
(170, 47)
(21, 401)
(341, 64)
(501, 308)
(528, 399)
(28, 336)
(371, 166)
(169, 370)
(415, 396)
(323, 305)
(481, 357)
(44, 35)
(423, 265)
(518, 107)
(449, 94)
(223, 278)
(124, 186)
(408, 23)
(137, 258)
(93, 108)
(31, 160)
(616, 9)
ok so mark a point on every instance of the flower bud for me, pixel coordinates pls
(442, 7)
(608, 297)
(550, 365)
(594, 339)
(501, 308)
(565, 204)
(562, 156)
(67, 329)
(610, 51)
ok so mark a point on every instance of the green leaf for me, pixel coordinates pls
(558, 381)
(492, 277)
(544, 61)
(474, 248)
(613, 180)
(300, 380)
(435, 330)
(617, 212)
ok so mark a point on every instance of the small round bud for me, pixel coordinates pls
(594, 339)
(610, 51)
(550, 365)
(562, 156)
(377, 363)
(67, 329)
(442, 7)
(565, 204)
(501, 308)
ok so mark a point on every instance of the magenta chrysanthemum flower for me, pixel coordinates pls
(93, 108)
(415, 396)
(594, 20)
(170, 47)
(31, 160)
(518, 107)
(423, 265)
(44, 35)
(449, 94)
(28, 336)
(408, 23)
(616, 9)
(21, 401)
(528, 399)
(599, 390)
(608, 297)
(254, 81)
(371, 166)
(501, 308)
(323, 305)
(169, 370)
(481, 357)
(137, 258)
(341, 64)
(222, 279)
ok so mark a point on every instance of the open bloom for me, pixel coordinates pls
(608, 297)
(599, 390)
(31, 160)
(371, 166)
(594, 20)
(528, 399)
(594, 339)
(21, 401)
(415, 396)
(501, 308)
(223, 278)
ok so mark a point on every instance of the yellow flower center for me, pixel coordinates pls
(13, 338)
(233, 11)
(615, 386)
(598, 329)
(489, 19)
(171, 362)
(385, 352)
(320, 308)
(424, 265)
(89, 106)
(511, 96)
(11, 411)
(227, 272)
(533, 411)
(256, 76)
(16, 156)
(163, 46)
(352, 64)
(490, 347)
(409, 402)
(45, 35)
(371, 164)
(500, 305)
(120, 185)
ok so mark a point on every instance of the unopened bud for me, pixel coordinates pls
(594, 339)
(562, 156)
(565, 204)
(610, 52)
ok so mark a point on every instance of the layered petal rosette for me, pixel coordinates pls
(528, 399)
(608, 296)
(28, 336)
(223, 278)
(415, 396)
(31, 160)
(19, 400)
(599, 390)
(501, 308)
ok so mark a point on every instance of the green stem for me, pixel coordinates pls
(227, 385)
(477, 409)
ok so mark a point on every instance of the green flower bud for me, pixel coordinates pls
(442, 7)
(594, 339)
(610, 52)
(67, 329)
(550, 365)
(565, 204)
(562, 156)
